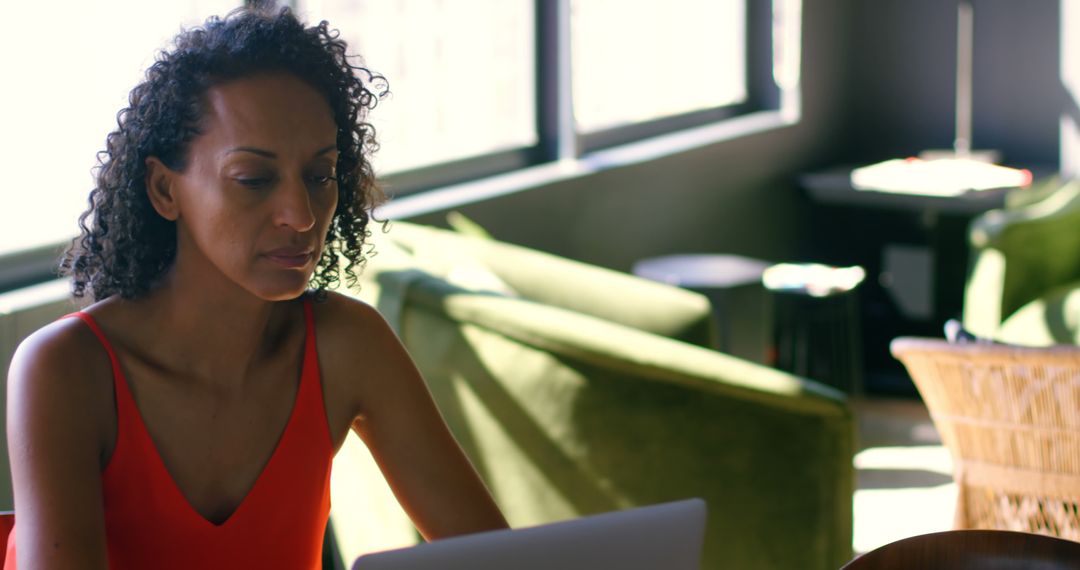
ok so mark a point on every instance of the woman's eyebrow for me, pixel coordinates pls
(252, 150)
(271, 154)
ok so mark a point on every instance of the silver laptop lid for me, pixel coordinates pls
(668, 536)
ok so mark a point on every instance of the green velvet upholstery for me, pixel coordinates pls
(572, 395)
(1025, 263)
(1053, 318)
(551, 280)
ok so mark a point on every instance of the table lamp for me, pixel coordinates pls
(947, 172)
(965, 48)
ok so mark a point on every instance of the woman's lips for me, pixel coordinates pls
(291, 261)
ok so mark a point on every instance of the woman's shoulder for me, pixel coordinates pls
(357, 351)
(63, 347)
(75, 343)
(341, 318)
(60, 372)
(352, 334)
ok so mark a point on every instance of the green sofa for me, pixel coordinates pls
(578, 390)
(1024, 283)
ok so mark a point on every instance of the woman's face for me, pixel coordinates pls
(259, 188)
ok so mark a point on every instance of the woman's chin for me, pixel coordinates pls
(284, 296)
(281, 289)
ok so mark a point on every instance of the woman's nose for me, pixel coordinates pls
(293, 206)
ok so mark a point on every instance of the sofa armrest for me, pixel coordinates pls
(565, 414)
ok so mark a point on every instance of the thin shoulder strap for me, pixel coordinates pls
(118, 375)
(311, 386)
(309, 331)
(311, 355)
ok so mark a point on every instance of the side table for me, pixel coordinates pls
(816, 322)
(914, 248)
(734, 288)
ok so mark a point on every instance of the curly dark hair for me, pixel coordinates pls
(125, 246)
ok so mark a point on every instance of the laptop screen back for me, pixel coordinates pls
(667, 536)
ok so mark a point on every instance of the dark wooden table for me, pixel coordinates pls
(971, 550)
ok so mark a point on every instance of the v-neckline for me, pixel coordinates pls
(159, 462)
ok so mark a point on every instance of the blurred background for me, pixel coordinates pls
(615, 131)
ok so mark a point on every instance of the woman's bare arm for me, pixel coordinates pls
(54, 431)
(429, 474)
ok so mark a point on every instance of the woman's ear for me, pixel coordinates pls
(160, 188)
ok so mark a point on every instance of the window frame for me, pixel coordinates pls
(557, 137)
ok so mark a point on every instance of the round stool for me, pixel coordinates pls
(733, 285)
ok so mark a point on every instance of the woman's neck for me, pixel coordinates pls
(212, 332)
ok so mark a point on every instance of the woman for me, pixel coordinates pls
(188, 417)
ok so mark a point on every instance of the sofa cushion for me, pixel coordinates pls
(1053, 318)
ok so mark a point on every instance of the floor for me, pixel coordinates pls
(903, 474)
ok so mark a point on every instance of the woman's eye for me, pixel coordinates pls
(253, 182)
(322, 180)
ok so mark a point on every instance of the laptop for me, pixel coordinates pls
(667, 536)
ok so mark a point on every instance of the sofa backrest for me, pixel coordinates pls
(556, 281)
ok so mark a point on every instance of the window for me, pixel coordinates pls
(460, 72)
(65, 82)
(478, 87)
(483, 86)
(649, 60)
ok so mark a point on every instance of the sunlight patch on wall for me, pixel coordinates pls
(1070, 78)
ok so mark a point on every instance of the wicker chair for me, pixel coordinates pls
(1010, 416)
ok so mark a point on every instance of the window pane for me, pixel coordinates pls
(659, 58)
(63, 92)
(461, 74)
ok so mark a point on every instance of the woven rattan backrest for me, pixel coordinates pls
(1010, 416)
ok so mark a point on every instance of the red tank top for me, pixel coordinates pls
(279, 524)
